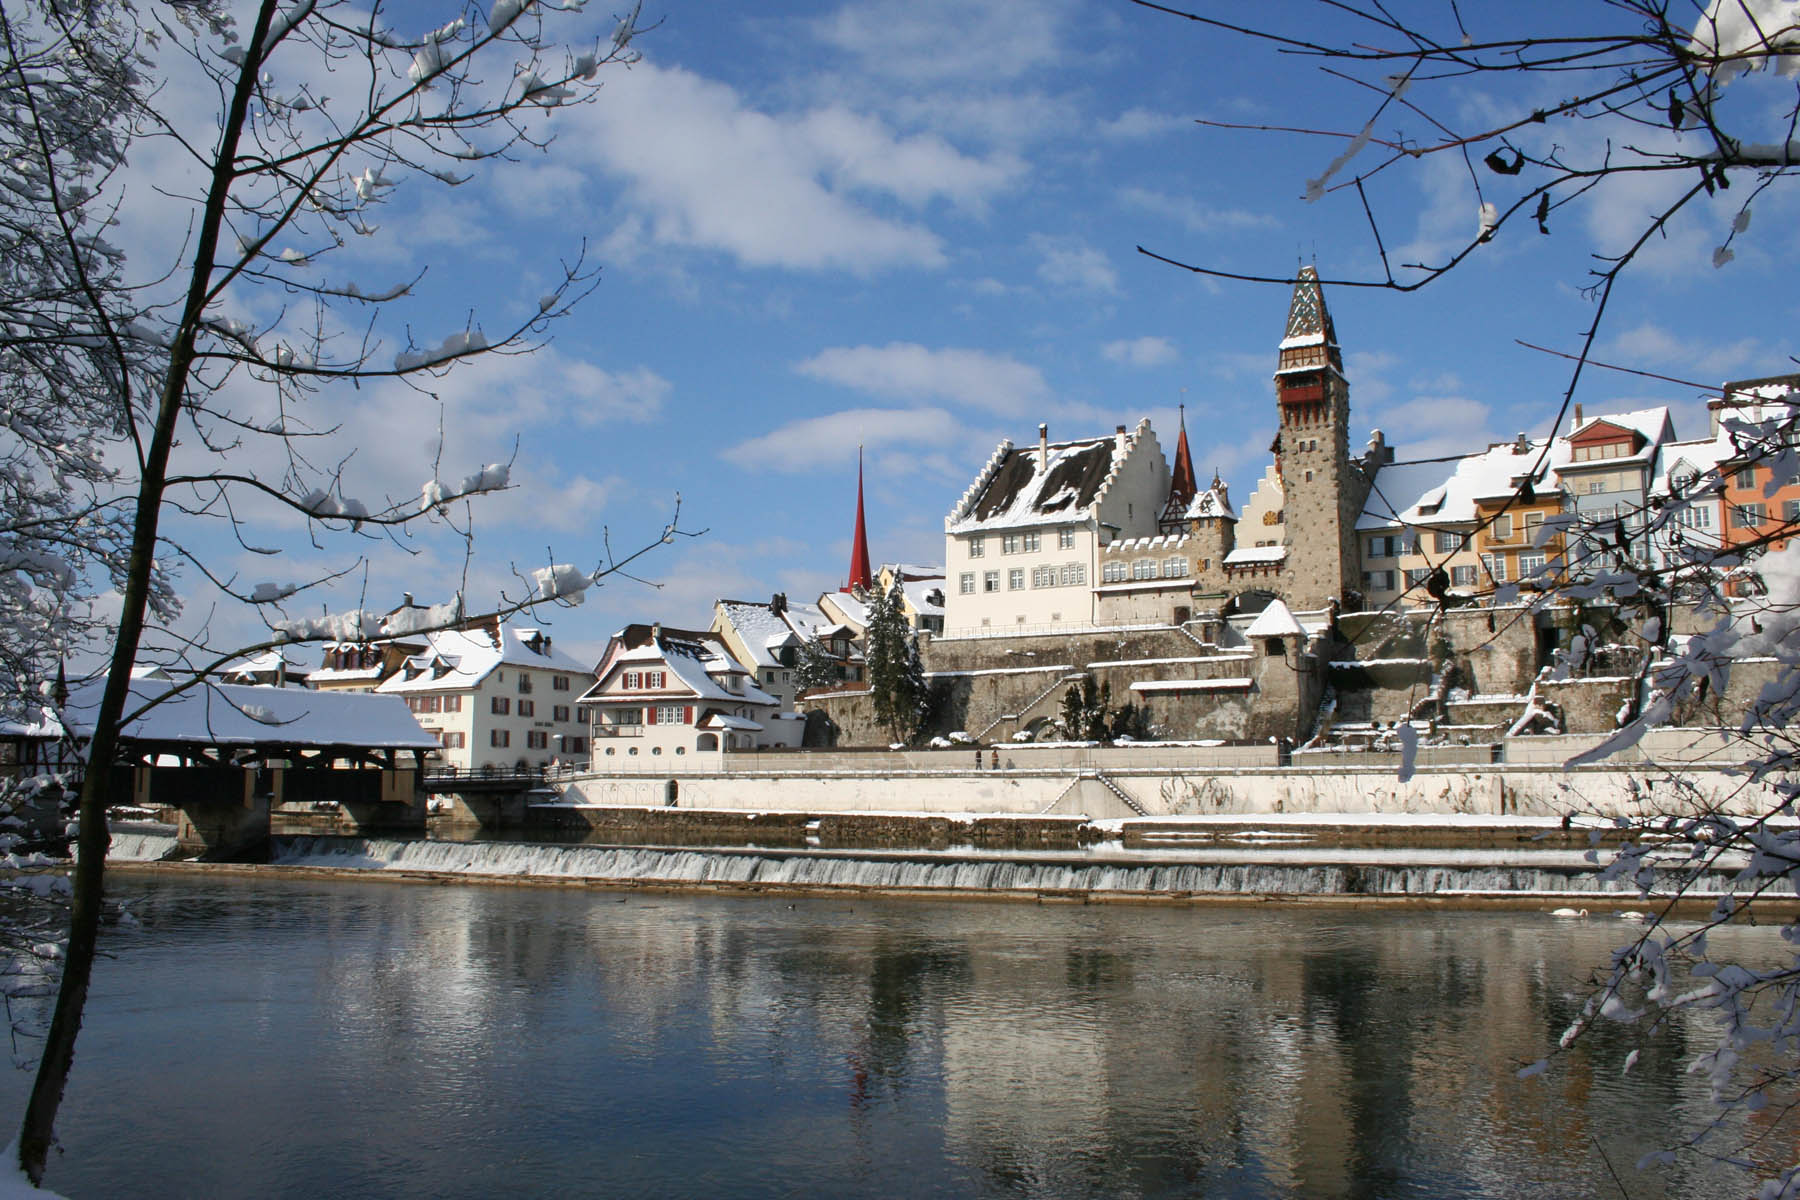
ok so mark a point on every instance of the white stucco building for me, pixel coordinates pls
(1022, 545)
(673, 692)
(497, 696)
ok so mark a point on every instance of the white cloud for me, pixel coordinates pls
(1649, 346)
(1193, 215)
(1072, 263)
(832, 440)
(1136, 123)
(1432, 425)
(907, 370)
(701, 169)
(1141, 352)
(938, 41)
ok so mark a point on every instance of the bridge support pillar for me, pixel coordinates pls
(400, 808)
(489, 809)
(221, 813)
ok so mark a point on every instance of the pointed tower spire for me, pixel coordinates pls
(1310, 339)
(859, 545)
(1181, 477)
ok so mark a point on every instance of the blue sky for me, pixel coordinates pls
(913, 226)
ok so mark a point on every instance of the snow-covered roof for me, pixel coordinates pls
(719, 720)
(1651, 424)
(1277, 620)
(1441, 493)
(1021, 487)
(458, 658)
(697, 662)
(1212, 502)
(764, 631)
(1246, 555)
(229, 714)
(1694, 459)
(839, 608)
(269, 662)
(925, 596)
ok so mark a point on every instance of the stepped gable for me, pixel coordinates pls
(982, 479)
(1116, 462)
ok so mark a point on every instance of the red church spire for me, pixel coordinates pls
(1181, 479)
(859, 546)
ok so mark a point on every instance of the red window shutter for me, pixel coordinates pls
(687, 714)
(650, 715)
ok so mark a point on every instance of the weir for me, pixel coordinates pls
(1176, 874)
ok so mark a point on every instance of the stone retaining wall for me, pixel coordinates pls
(1348, 788)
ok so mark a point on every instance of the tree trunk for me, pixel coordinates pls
(37, 1132)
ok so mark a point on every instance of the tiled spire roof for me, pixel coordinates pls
(1309, 328)
(860, 576)
(1181, 478)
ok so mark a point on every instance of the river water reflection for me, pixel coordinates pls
(279, 1038)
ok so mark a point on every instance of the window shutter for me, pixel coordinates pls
(687, 714)
(650, 715)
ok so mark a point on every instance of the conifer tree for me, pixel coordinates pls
(895, 689)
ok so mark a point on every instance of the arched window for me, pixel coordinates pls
(707, 741)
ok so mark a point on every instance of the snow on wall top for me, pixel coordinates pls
(230, 714)
(1160, 541)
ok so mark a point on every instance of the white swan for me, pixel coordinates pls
(1631, 914)
(1568, 912)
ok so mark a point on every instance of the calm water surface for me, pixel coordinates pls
(277, 1038)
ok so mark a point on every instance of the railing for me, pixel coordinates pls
(446, 778)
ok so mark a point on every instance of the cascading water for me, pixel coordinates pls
(136, 845)
(938, 872)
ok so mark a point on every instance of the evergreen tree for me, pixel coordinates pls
(813, 668)
(922, 700)
(1070, 718)
(894, 688)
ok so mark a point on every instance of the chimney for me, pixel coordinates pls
(1043, 448)
(778, 603)
(656, 632)
(406, 600)
(1577, 418)
(1119, 437)
(1522, 445)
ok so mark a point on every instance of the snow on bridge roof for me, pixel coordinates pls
(226, 714)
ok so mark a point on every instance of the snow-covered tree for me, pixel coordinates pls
(896, 686)
(1703, 99)
(181, 382)
(814, 668)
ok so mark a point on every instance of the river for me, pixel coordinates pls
(273, 1037)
